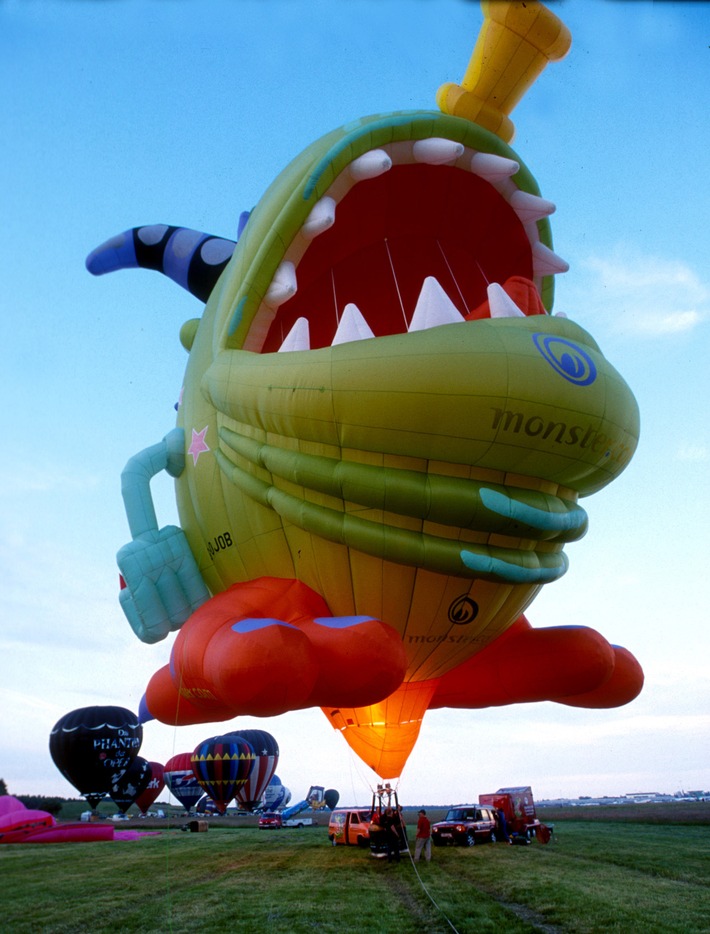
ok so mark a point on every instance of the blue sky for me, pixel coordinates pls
(157, 111)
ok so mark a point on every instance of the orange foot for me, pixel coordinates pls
(571, 665)
(268, 646)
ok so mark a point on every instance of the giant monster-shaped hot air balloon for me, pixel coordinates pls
(383, 433)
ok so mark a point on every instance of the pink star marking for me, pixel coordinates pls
(198, 445)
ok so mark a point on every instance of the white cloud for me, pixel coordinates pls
(27, 478)
(628, 271)
(646, 294)
(657, 323)
(693, 453)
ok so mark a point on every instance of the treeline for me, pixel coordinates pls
(37, 802)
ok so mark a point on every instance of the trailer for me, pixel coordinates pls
(517, 817)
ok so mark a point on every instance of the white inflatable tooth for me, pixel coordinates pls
(434, 307)
(530, 208)
(298, 338)
(320, 219)
(370, 165)
(352, 326)
(501, 304)
(437, 151)
(283, 285)
(492, 167)
(546, 262)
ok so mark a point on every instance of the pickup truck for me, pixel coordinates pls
(299, 822)
(271, 820)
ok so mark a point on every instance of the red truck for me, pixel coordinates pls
(517, 817)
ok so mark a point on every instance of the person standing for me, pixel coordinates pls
(423, 839)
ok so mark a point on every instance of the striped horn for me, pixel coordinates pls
(192, 259)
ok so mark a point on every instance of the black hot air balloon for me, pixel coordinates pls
(331, 798)
(93, 746)
(127, 787)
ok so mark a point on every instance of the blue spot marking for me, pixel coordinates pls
(566, 358)
(503, 505)
(342, 622)
(243, 218)
(513, 573)
(237, 316)
(178, 253)
(254, 625)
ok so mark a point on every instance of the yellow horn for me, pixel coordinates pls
(515, 43)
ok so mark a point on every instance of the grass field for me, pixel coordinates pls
(641, 873)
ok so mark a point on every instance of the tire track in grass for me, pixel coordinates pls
(423, 916)
(524, 913)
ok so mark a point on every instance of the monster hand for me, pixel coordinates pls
(163, 584)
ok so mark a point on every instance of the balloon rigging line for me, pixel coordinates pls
(353, 760)
(485, 277)
(356, 762)
(355, 766)
(428, 894)
(451, 273)
(335, 297)
(396, 284)
(168, 841)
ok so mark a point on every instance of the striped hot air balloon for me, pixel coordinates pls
(221, 765)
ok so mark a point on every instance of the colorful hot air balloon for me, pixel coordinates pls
(383, 433)
(92, 747)
(277, 795)
(221, 766)
(181, 780)
(127, 787)
(155, 785)
(266, 758)
(206, 806)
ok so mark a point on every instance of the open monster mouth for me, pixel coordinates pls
(412, 242)
(409, 236)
